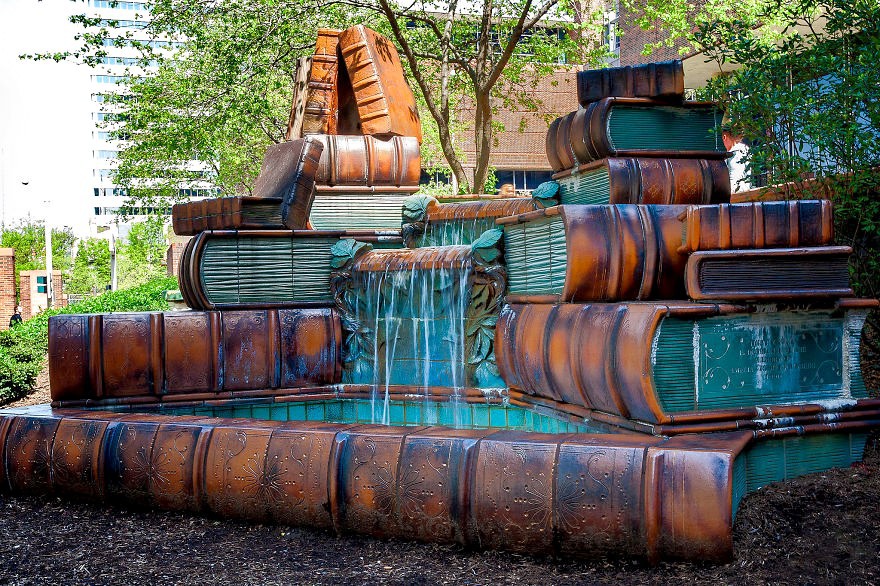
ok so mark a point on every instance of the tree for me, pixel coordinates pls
(91, 267)
(29, 241)
(142, 254)
(224, 95)
(479, 55)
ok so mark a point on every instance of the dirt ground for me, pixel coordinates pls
(819, 529)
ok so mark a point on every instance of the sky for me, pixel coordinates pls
(45, 117)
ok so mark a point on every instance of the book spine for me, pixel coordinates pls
(222, 213)
(779, 274)
(596, 356)
(181, 219)
(618, 252)
(583, 496)
(550, 146)
(188, 354)
(297, 202)
(783, 224)
(661, 81)
(668, 181)
(385, 103)
(369, 161)
(579, 137)
(319, 114)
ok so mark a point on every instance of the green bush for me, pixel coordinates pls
(23, 348)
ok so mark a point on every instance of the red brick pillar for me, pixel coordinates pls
(7, 286)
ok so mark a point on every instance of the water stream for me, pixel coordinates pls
(413, 304)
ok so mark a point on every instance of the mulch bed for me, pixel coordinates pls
(819, 529)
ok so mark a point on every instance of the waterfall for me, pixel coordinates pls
(413, 304)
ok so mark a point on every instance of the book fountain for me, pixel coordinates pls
(607, 367)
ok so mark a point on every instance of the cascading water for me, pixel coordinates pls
(412, 306)
(455, 233)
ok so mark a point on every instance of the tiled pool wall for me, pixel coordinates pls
(451, 413)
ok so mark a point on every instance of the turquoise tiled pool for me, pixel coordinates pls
(459, 415)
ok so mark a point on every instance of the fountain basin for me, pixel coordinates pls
(568, 492)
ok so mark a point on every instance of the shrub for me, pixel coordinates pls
(23, 348)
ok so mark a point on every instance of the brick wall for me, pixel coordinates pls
(7, 286)
(633, 40)
(173, 254)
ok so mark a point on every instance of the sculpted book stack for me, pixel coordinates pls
(607, 367)
(649, 300)
(347, 176)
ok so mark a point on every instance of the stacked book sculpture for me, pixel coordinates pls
(607, 367)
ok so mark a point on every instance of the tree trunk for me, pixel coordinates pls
(482, 139)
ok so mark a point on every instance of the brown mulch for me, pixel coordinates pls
(819, 529)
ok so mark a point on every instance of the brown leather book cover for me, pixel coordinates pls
(368, 161)
(775, 274)
(577, 253)
(319, 114)
(288, 173)
(663, 80)
(635, 127)
(775, 224)
(679, 361)
(645, 180)
(226, 213)
(154, 355)
(385, 102)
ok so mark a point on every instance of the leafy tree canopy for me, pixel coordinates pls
(221, 96)
(91, 267)
(29, 241)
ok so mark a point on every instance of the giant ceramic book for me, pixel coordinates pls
(635, 127)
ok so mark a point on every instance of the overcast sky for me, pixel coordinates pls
(45, 117)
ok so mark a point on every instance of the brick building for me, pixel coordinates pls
(519, 153)
(7, 286)
(630, 40)
(176, 244)
(32, 288)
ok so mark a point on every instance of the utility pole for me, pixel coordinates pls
(50, 291)
(113, 278)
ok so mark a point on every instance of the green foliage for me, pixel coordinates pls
(91, 267)
(806, 98)
(142, 254)
(23, 348)
(223, 95)
(29, 242)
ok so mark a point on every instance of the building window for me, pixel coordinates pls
(106, 154)
(147, 42)
(610, 36)
(109, 78)
(128, 61)
(112, 23)
(118, 4)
